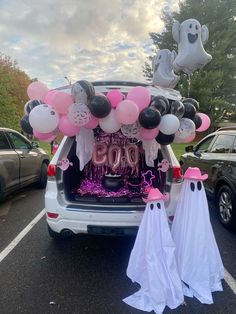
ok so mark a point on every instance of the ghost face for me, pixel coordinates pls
(155, 206)
(192, 29)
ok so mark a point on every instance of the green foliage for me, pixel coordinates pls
(13, 96)
(213, 86)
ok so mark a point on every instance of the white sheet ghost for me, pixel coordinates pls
(152, 261)
(191, 37)
(162, 65)
(198, 258)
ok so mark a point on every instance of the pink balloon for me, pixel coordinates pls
(92, 124)
(48, 99)
(61, 101)
(115, 97)
(140, 95)
(37, 90)
(66, 127)
(127, 112)
(148, 134)
(51, 138)
(44, 136)
(206, 122)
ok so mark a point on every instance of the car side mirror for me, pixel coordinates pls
(189, 149)
(35, 145)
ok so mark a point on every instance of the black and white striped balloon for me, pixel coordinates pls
(83, 92)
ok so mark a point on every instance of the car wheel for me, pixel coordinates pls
(42, 182)
(226, 204)
(65, 234)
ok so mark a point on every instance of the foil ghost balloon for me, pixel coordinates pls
(191, 37)
(162, 64)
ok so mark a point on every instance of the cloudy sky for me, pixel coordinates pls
(80, 39)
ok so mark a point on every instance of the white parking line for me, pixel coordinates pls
(230, 281)
(20, 236)
(228, 278)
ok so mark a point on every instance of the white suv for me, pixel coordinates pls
(70, 212)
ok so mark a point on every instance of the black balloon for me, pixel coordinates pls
(197, 121)
(193, 102)
(25, 125)
(100, 106)
(161, 104)
(164, 139)
(31, 104)
(149, 118)
(189, 110)
(177, 108)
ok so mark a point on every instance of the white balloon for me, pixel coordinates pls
(109, 124)
(185, 132)
(191, 37)
(43, 118)
(78, 114)
(162, 65)
(169, 124)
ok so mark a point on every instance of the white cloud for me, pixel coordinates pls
(81, 39)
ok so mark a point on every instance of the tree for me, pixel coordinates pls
(214, 85)
(13, 95)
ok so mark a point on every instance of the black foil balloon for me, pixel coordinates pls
(177, 108)
(189, 111)
(161, 104)
(149, 118)
(100, 106)
(31, 104)
(164, 139)
(25, 125)
(197, 121)
(193, 102)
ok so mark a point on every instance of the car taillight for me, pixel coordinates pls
(52, 215)
(51, 170)
(177, 175)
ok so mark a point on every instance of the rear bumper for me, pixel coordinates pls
(95, 219)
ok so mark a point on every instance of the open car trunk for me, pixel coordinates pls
(126, 183)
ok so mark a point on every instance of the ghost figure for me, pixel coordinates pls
(198, 258)
(162, 65)
(152, 261)
(191, 37)
(82, 91)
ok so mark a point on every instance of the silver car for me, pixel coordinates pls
(21, 162)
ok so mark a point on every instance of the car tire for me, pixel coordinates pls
(226, 206)
(64, 235)
(42, 182)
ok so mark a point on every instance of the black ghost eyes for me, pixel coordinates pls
(159, 57)
(190, 26)
(152, 206)
(196, 27)
(199, 186)
(52, 113)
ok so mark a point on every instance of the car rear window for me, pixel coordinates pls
(4, 144)
(223, 144)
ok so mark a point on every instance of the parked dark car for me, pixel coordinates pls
(21, 162)
(216, 156)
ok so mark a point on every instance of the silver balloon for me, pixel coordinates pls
(186, 131)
